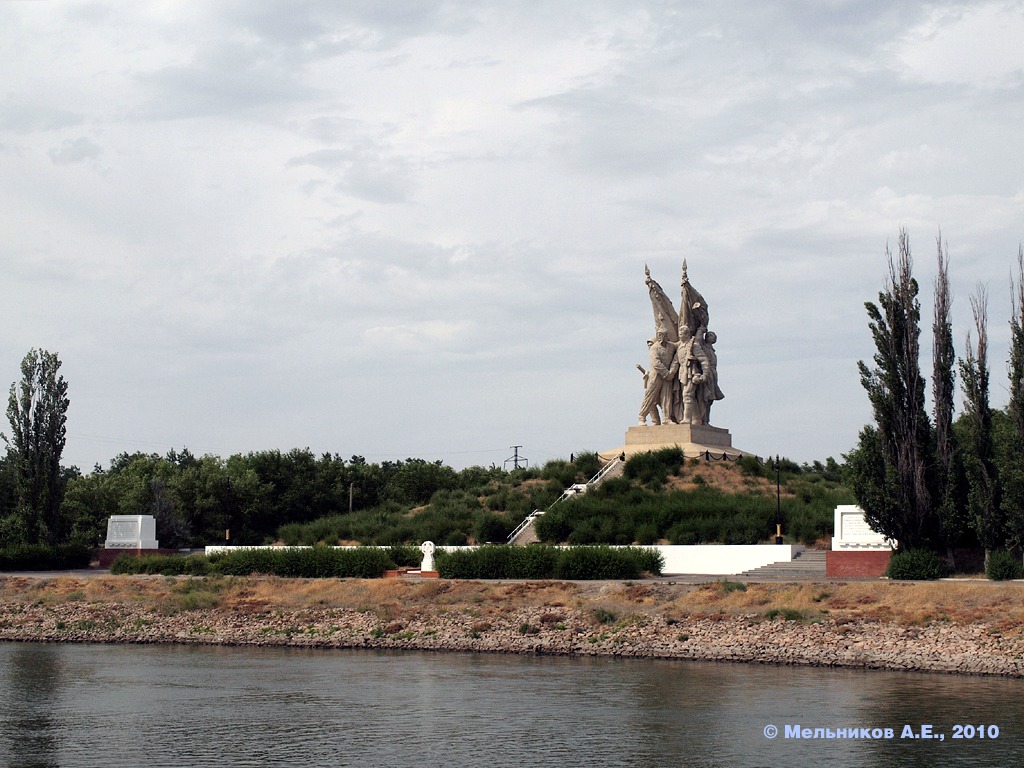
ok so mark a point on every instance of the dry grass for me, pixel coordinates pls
(722, 476)
(910, 604)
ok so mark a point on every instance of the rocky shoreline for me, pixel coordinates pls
(585, 629)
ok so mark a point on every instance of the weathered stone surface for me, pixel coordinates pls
(977, 648)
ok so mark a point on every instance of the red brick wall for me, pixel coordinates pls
(856, 564)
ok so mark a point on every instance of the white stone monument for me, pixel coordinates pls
(427, 548)
(853, 533)
(131, 532)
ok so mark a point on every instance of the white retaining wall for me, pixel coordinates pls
(723, 559)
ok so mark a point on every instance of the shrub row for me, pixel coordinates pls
(310, 563)
(540, 561)
(165, 565)
(491, 562)
(924, 564)
(40, 557)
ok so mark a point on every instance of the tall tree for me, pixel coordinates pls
(1012, 470)
(952, 520)
(1016, 364)
(896, 390)
(37, 409)
(983, 487)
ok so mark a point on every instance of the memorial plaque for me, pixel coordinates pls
(853, 532)
(131, 532)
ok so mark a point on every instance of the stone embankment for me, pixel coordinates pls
(582, 630)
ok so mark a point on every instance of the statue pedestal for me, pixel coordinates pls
(679, 434)
(693, 439)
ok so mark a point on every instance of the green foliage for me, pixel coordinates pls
(536, 561)
(752, 467)
(539, 561)
(622, 511)
(560, 471)
(916, 564)
(417, 480)
(654, 466)
(786, 614)
(403, 556)
(164, 565)
(1003, 565)
(299, 499)
(310, 562)
(43, 557)
(732, 586)
(493, 528)
(588, 464)
(603, 562)
(37, 410)
(984, 486)
(899, 487)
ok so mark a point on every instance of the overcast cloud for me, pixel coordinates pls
(419, 228)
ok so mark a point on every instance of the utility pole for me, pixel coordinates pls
(515, 458)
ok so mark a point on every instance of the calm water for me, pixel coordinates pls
(89, 705)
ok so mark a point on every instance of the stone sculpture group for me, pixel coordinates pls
(681, 384)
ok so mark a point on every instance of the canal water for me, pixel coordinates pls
(123, 705)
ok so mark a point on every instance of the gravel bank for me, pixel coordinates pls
(977, 648)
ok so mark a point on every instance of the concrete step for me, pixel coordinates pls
(809, 564)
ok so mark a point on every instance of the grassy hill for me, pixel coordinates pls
(660, 498)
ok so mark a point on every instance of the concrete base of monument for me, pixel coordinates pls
(695, 440)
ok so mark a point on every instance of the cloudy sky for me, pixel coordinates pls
(419, 228)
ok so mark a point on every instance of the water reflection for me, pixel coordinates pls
(239, 707)
(31, 685)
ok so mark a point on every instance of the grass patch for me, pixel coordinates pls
(732, 586)
(786, 614)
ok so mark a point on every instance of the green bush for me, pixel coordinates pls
(540, 561)
(588, 464)
(916, 564)
(493, 528)
(580, 563)
(308, 563)
(40, 557)
(733, 586)
(405, 556)
(654, 466)
(1004, 565)
(165, 565)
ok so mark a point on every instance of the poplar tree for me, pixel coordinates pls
(893, 468)
(952, 519)
(1013, 465)
(37, 410)
(983, 486)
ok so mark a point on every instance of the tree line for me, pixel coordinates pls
(245, 499)
(931, 480)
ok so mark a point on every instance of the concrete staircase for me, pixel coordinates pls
(808, 565)
(524, 533)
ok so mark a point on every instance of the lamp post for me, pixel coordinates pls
(230, 515)
(778, 500)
